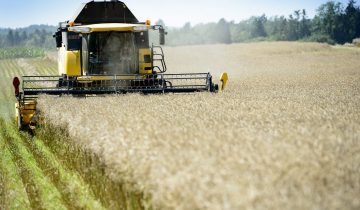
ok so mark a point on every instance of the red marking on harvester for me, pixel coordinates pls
(16, 84)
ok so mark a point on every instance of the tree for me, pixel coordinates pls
(258, 29)
(24, 37)
(2, 42)
(305, 25)
(186, 27)
(276, 27)
(17, 38)
(240, 32)
(352, 15)
(330, 21)
(36, 38)
(10, 38)
(292, 30)
(222, 32)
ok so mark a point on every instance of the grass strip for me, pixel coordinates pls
(74, 191)
(2, 172)
(113, 195)
(42, 193)
(12, 190)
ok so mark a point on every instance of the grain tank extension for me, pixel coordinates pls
(104, 49)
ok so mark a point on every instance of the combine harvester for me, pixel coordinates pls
(104, 49)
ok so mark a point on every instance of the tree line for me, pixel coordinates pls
(333, 23)
(39, 36)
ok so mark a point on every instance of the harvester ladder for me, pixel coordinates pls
(157, 54)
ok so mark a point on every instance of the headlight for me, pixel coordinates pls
(140, 28)
(84, 30)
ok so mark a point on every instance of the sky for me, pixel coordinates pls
(22, 13)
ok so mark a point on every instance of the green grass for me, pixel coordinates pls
(42, 192)
(49, 172)
(112, 195)
(73, 189)
(12, 190)
(33, 177)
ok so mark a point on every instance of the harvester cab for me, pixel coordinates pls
(104, 49)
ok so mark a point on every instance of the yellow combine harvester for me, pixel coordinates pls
(104, 49)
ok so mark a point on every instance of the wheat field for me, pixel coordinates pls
(284, 135)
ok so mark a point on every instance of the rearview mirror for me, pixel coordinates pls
(58, 39)
(162, 36)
